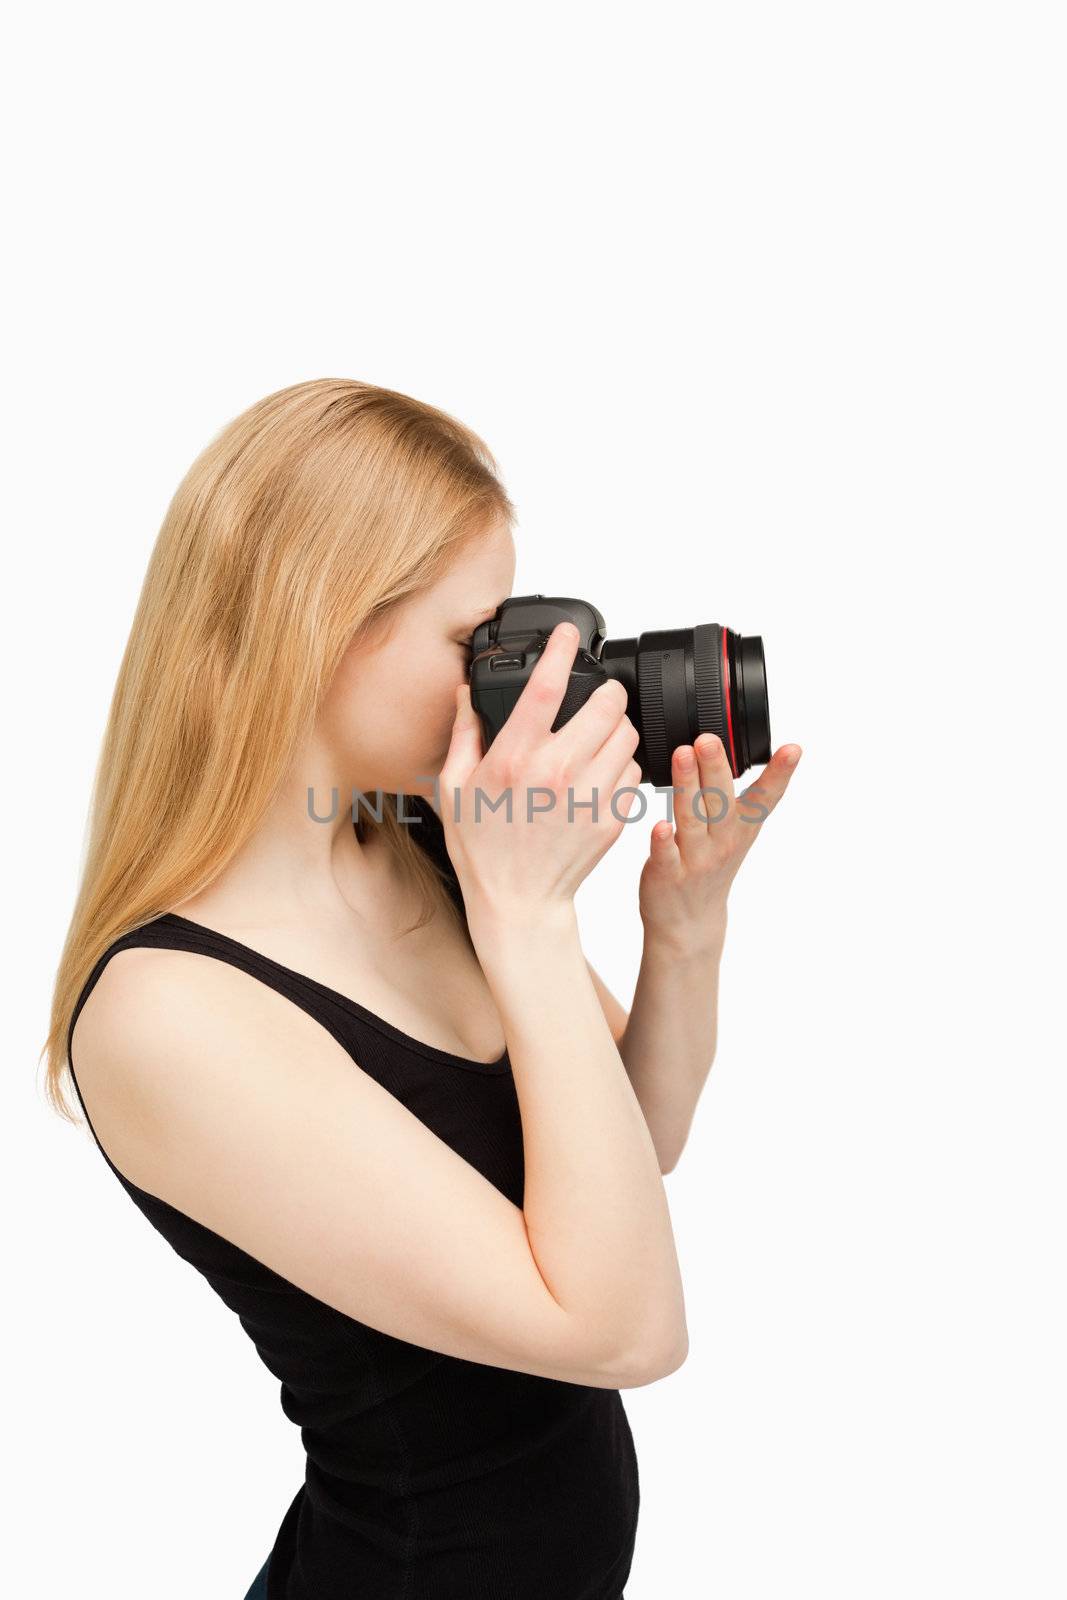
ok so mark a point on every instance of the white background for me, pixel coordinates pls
(761, 309)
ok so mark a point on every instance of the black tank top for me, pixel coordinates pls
(427, 1477)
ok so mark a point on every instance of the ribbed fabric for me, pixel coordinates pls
(427, 1477)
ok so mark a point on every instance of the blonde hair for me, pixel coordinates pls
(302, 523)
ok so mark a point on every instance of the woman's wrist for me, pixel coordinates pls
(698, 944)
(500, 925)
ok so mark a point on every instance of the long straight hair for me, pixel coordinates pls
(302, 524)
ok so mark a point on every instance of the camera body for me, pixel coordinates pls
(679, 682)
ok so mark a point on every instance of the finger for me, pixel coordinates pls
(535, 710)
(716, 778)
(757, 802)
(613, 755)
(690, 818)
(583, 736)
(662, 850)
(616, 778)
(625, 792)
(465, 748)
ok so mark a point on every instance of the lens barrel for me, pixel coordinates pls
(683, 682)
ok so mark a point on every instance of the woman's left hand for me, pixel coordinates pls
(692, 863)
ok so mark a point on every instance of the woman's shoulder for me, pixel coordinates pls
(163, 1036)
(126, 1020)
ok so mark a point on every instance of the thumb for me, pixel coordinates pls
(465, 749)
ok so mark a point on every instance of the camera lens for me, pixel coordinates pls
(683, 682)
(679, 682)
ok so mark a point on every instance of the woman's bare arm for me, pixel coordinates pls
(217, 1094)
(595, 1206)
(615, 1014)
(667, 1039)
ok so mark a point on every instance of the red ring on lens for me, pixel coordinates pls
(726, 697)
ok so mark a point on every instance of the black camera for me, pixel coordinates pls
(679, 683)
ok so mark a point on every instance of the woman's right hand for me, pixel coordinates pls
(538, 858)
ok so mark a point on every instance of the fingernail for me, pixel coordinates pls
(793, 757)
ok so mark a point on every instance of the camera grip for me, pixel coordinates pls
(580, 686)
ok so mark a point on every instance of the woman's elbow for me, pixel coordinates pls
(660, 1365)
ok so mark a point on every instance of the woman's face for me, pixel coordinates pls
(387, 718)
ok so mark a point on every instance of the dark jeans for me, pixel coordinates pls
(258, 1590)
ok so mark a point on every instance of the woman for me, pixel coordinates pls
(434, 1199)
